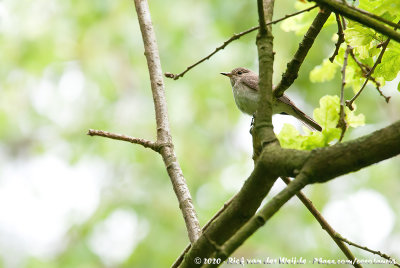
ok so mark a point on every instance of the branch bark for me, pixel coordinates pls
(163, 131)
(327, 163)
(356, 15)
(294, 65)
(237, 222)
(263, 129)
(145, 143)
(339, 159)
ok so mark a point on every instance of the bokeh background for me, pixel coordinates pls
(70, 200)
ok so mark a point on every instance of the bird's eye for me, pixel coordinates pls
(240, 72)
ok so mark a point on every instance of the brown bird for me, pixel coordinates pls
(245, 91)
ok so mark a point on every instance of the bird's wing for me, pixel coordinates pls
(251, 82)
(285, 99)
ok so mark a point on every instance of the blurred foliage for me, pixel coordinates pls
(67, 66)
(327, 117)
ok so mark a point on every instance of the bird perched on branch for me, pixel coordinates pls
(245, 91)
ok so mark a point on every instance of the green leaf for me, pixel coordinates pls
(289, 137)
(324, 72)
(327, 115)
(390, 67)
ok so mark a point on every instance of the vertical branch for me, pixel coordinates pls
(163, 132)
(340, 40)
(263, 121)
(342, 124)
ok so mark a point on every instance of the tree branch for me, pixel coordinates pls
(365, 70)
(247, 200)
(383, 255)
(349, 103)
(324, 224)
(233, 38)
(163, 131)
(294, 65)
(259, 219)
(236, 223)
(356, 15)
(263, 129)
(145, 143)
(342, 124)
(327, 163)
(340, 40)
(388, 22)
(377, 62)
(216, 215)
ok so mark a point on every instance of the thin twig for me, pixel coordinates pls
(365, 69)
(324, 224)
(340, 38)
(233, 38)
(145, 143)
(342, 124)
(383, 255)
(349, 103)
(294, 65)
(163, 131)
(377, 62)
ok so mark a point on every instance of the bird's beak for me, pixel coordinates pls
(227, 74)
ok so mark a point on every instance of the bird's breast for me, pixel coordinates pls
(246, 99)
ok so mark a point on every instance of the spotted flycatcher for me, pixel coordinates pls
(245, 91)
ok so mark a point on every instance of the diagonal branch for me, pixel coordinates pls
(327, 163)
(234, 225)
(264, 214)
(233, 38)
(383, 255)
(322, 165)
(365, 70)
(163, 132)
(388, 22)
(371, 71)
(356, 15)
(179, 260)
(324, 224)
(294, 65)
(349, 103)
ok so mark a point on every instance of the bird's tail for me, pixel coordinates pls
(308, 121)
(286, 106)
